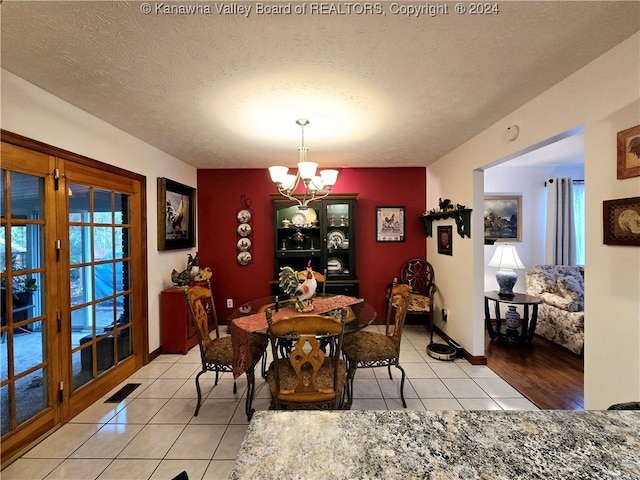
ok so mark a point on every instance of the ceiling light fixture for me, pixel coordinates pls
(315, 186)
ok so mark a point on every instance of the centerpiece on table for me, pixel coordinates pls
(302, 290)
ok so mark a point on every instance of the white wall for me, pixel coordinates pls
(30, 111)
(604, 98)
(529, 183)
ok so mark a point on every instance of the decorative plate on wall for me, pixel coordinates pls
(244, 229)
(244, 244)
(244, 216)
(244, 258)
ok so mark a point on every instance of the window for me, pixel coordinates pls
(578, 214)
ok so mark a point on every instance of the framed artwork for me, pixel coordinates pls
(176, 215)
(503, 218)
(445, 240)
(629, 152)
(621, 221)
(390, 224)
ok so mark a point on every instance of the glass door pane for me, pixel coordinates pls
(23, 338)
(99, 249)
(339, 234)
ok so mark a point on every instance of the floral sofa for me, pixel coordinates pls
(561, 313)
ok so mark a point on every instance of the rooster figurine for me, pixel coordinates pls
(181, 278)
(184, 277)
(303, 291)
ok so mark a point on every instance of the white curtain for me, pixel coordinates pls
(578, 216)
(560, 245)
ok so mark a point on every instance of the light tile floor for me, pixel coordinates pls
(152, 434)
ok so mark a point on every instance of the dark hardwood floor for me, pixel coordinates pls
(548, 375)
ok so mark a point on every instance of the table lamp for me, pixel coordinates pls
(506, 259)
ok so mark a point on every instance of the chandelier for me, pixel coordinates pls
(315, 186)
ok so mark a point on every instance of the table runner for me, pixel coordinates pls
(242, 327)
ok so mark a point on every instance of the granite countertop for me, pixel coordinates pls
(441, 445)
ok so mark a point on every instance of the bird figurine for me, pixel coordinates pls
(303, 291)
(444, 204)
(181, 278)
(193, 262)
(184, 277)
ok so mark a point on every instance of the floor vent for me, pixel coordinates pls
(122, 393)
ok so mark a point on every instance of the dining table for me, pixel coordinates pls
(250, 318)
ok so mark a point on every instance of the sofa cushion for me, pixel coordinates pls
(544, 278)
(572, 288)
(541, 279)
(561, 302)
(417, 303)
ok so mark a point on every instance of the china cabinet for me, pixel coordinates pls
(323, 234)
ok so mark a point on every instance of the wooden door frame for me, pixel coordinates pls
(12, 446)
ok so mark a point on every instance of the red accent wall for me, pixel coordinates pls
(220, 198)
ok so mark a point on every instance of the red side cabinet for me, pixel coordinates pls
(177, 331)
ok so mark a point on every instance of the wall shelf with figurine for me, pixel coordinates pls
(462, 217)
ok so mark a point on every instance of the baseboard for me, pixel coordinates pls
(472, 359)
(155, 354)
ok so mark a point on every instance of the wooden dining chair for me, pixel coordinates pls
(372, 349)
(216, 354)
(307, 371)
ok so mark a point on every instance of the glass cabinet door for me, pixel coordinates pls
(340, 239)
(297, 237)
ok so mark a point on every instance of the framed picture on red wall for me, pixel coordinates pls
(390, 224)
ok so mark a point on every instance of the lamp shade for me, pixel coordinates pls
(307, 170)
(506, 257)
(289, 182)
(329, 177)
(278, 173)
(316, 183)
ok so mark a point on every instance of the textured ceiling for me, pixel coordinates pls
(220, 90)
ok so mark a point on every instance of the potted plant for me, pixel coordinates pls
(23, 288)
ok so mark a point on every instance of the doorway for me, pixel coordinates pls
(73, 314)
(546, 367)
